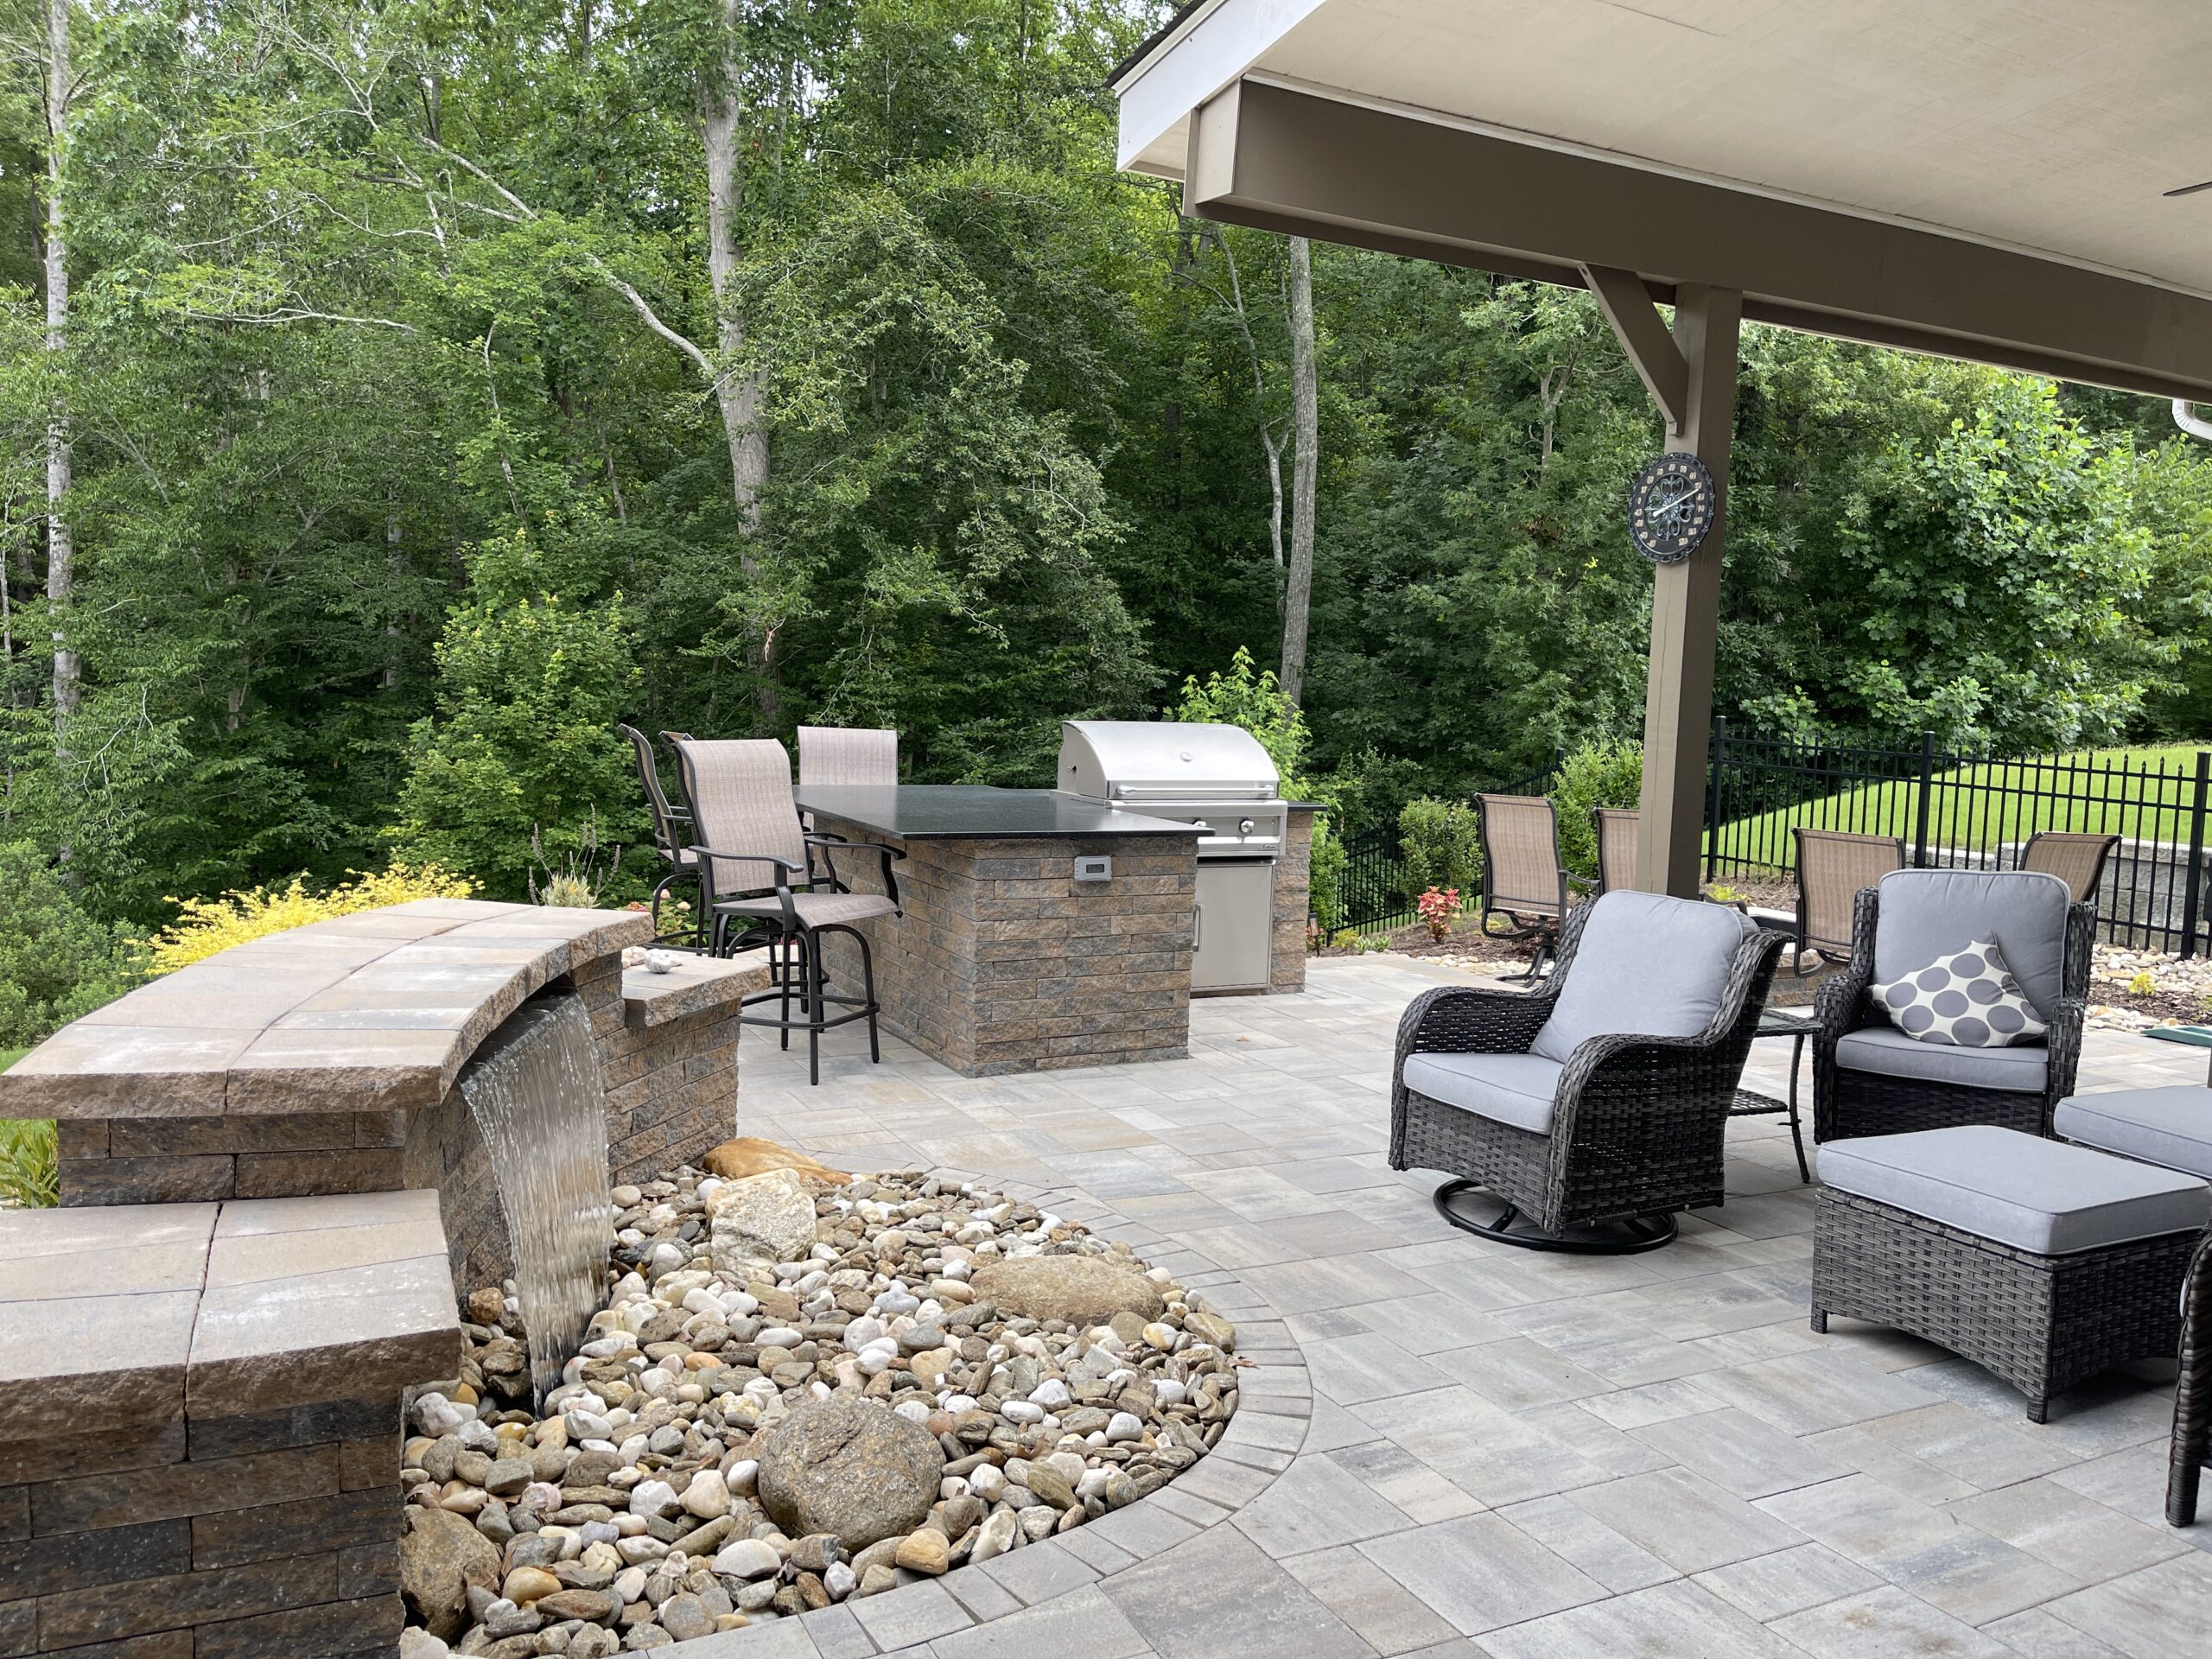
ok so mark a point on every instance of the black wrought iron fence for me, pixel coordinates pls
(1957, 809)
(1951, 809)
(1372, 892)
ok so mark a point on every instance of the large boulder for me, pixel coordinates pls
(760, 1219)
(1080, 1290)
(440, 1557)
(749, 1155)
(850, 1467)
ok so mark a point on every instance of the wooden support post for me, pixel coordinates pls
(1686, 606)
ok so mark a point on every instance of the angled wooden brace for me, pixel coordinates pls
(1658, 360)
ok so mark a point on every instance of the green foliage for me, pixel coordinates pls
(523, 750)
(30, 1170)
(1251, 698)
(1326, 874)
(56, 962)
(1441, 845)
(1592, 776)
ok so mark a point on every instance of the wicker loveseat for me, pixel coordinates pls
(1594, 1106)
(1871, 1079)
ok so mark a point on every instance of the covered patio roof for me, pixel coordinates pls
(2024, 184)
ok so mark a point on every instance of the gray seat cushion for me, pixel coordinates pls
(2017, 1189)
(1924, 914)
(1515, 1089)
(1891, 1053)
(2172, 1126)
(1647, 965)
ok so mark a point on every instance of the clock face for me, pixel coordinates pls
(1670, 508)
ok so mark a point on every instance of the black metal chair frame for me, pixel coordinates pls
(795, 959)
(1521, 924)
(670, 826)
(1638, 1133)
(1847, 1102)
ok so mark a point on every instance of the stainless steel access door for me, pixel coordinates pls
(1235, 919)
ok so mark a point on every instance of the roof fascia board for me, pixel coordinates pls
(1204, 53)
(1293, 160)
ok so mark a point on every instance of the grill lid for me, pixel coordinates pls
(1163, 760)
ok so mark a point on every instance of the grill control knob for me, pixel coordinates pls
(1244, 826)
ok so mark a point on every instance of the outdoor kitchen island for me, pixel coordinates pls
(1001, 961)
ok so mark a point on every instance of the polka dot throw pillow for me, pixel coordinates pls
(1968, 999)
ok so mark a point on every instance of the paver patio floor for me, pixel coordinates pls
(1508, 1453)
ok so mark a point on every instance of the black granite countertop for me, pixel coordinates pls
(975, 812)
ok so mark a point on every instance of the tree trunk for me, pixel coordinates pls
(737, 395)
(1305, 403)
(60, 548)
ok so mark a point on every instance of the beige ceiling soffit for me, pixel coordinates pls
(1651, 350)
(1291, 161)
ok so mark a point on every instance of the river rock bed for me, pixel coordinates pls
(798, 1392)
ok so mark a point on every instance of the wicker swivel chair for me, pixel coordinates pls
(1615, 828)
(2075, 859)
(1523, 880)
(671, 834)
(1869, 1077)
(1594, 1106)
(1831, 867)
(2192, 1442)
(753, 864)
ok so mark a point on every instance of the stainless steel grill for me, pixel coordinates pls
(1219, 778)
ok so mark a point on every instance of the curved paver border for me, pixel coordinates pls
(1275, 1409)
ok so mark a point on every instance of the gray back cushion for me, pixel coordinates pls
(1925, 914)
(1648, 965)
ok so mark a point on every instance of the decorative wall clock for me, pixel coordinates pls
(1670, 507)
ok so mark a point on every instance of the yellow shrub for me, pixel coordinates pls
(206, 926)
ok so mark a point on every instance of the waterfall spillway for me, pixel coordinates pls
(535, 1094)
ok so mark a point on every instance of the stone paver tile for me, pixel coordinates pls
(1430, 1324)
(1891, 1464)
(1804, 1393)
(1037, 1572)
(1882, 1625)
(1520, 1374)
(1579, 1538)
(2162, 1612)
(780, 1639)
(1631, 1409)
(1094, 1550)
(1961, 1442)
(1219, 1597)
(1081, 1623)
(1668, 1621)
(2106, 1414)
(1938, 1558)
(1387, 1616)
(837, 1634)
(1323, 1284)
(1685, 1520)
(2075, 1534)
(1481, 1573)
(1407, 1483)
(2040, 1634)
(1744, 1454)
(1313, 1505)
(921, 1611)
(1789, 1582)
(1481, 1447)
(983, 1596)
(1604, 1447)
(1352, 1371)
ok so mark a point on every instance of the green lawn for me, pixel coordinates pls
(2140, 793)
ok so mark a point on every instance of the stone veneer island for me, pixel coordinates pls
(274, 1198)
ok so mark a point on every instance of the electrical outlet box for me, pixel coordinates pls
(1094, 867)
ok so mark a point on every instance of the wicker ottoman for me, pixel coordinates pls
(2042, 1262)
(2169, 1126)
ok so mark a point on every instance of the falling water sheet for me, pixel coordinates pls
(534, 1090)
